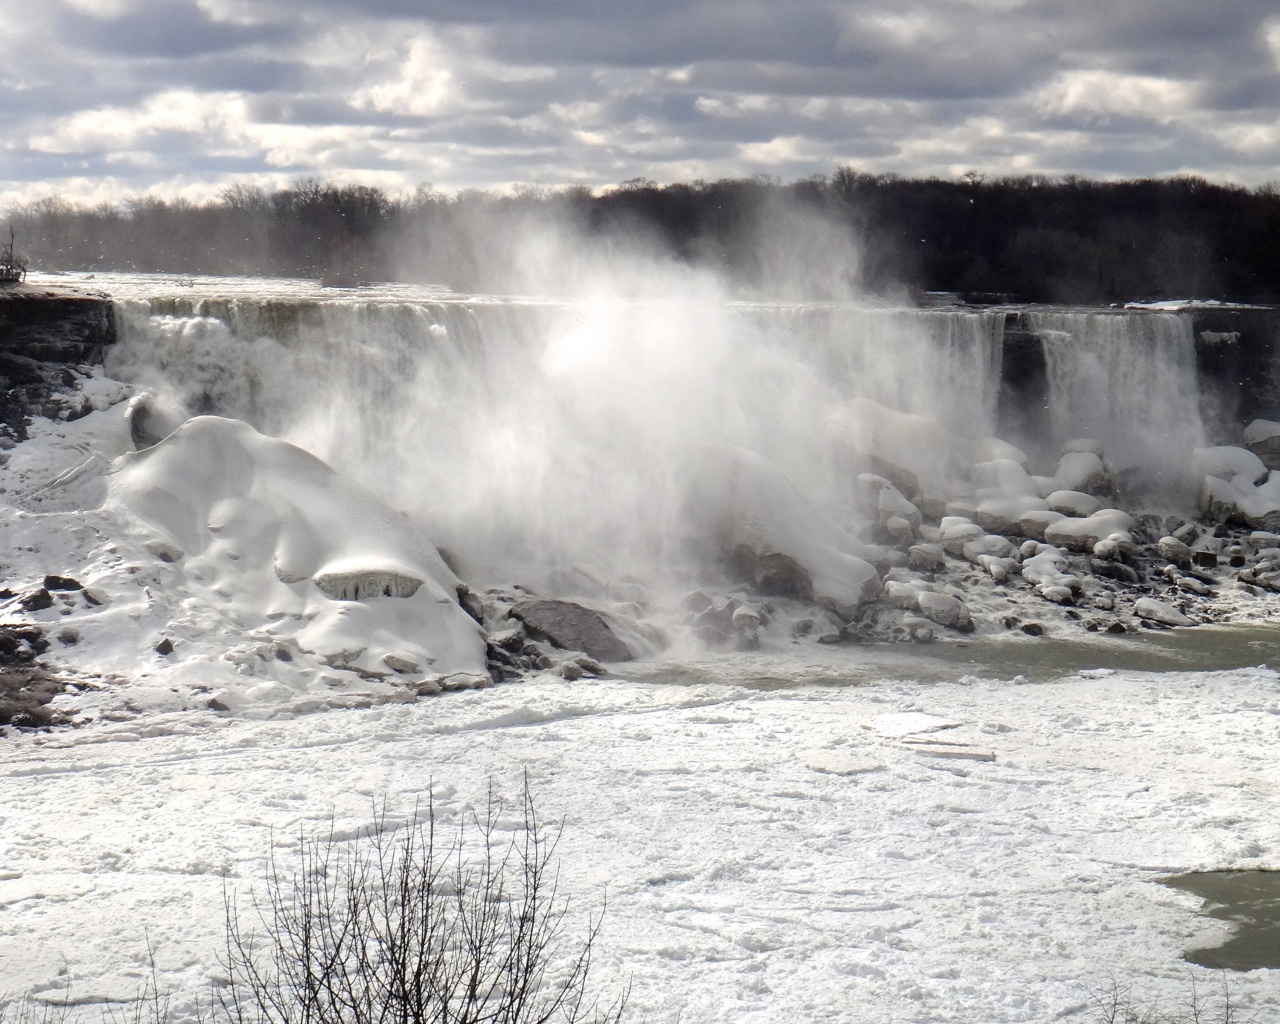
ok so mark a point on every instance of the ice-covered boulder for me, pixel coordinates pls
(1085, 471)
(1033, 524)
(750, 513)
(1175, 551)
(887, 502)
(992, 449)
(1229, 463)
(944, 609)
(1074, 503)
(1003, 494)
(277, 541)
(1262, 437)
(1083, 534)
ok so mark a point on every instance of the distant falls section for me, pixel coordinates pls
(1127, 378)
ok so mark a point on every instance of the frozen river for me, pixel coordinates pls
(964, 850)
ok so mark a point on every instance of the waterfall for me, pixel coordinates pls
(1125, 378)
(526, 427)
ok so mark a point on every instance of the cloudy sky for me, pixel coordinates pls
(104, 98)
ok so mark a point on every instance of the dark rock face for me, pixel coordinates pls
(45, 334)
(573, 628)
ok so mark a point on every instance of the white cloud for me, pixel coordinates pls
(216, 116)
(1105, 94)
(421, 85)
(1271, 34)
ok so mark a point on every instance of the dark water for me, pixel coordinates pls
(1248, 899)
(1002, 656)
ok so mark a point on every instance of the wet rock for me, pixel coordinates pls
(778, 575)
(1117, 571)
(21, 644)
(165, 550)
(927, 557)
(1204, 559)
(944, 610)
(573, 628)
(400, 663)
(471, 603)
(696, 603)
(1175, 550)
(1150, 609)
(1033, 629)
(570, 670)
(36, 600)
(1117, 628)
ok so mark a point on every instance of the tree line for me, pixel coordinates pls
(1030, 238)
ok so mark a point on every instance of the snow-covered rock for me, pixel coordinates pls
(1085, 471)
(1033, 524)
(1083, 534)
(1228, 463)
(1262, 437)
(1074, 503)
(1160, 611)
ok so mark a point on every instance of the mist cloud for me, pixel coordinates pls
(107, 97)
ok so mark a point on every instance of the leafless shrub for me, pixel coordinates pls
(405, 926)
(1117, 1004)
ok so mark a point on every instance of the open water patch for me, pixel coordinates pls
(1248, 899)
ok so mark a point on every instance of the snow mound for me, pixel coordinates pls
(286, 547)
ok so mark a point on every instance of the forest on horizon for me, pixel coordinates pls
(1029, 239)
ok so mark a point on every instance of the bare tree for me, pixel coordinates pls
(410, 927)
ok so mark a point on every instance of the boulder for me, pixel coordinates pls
(1074, 503)
(1175, 551)
(572, 627)
(1033, 524)
(1087, 472)
(1158, 611)
(1228, 463)
(927, 557)
(1262, 437)
(1083, 534)
(944, 610)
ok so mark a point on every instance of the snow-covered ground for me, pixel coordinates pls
(797, 853)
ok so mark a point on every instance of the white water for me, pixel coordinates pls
(565, 428)
(1127, 380)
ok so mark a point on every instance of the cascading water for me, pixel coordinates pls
(1127, 379)
(562, 432)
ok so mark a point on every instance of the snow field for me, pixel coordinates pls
(747, 878)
